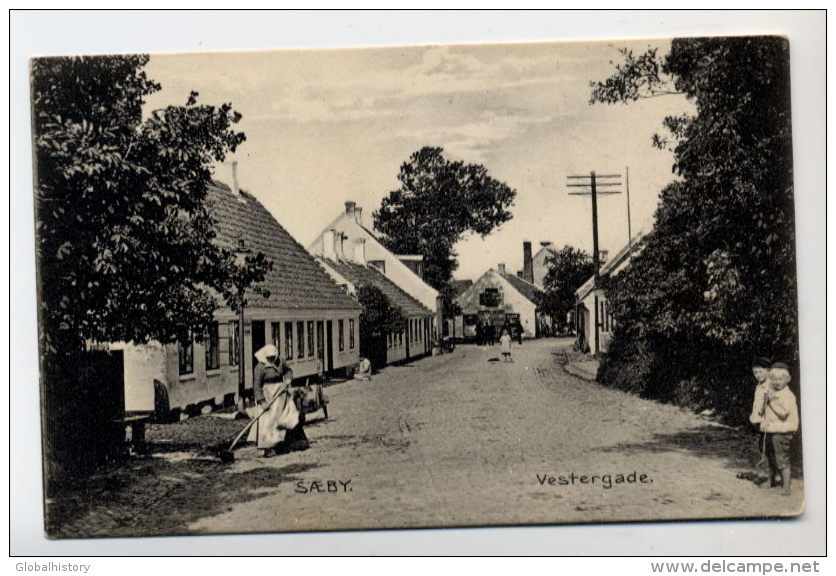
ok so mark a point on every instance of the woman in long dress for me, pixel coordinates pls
(268, 383)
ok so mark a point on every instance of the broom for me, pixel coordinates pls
(226, 454)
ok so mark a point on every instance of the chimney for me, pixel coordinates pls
(501, 269)
(519, 273)
(602, 256)
(236, 190)
(349, 208)
(358, 215)
(546, 244)
(328, 251)
(359, 251)
(528, 265)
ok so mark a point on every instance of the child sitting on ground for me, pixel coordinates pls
(780, 422)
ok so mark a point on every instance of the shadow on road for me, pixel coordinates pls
(738, 448)
(160, 496)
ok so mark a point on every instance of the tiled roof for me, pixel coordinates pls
(524, 287)
(612, 265)
(296, 281)
(459, 287)
(360, 275)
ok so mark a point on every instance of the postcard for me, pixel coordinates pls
(417, 287)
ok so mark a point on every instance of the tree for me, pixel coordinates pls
(438, 201)
(713, 284)
(124, 236)
(568, 268)
(378, 319)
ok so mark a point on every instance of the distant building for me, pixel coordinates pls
(539, 266)
(308, 317)
(498, 299)
(351, 270)
(405, 270)
(594, 322)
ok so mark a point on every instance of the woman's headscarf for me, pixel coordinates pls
(265, 353)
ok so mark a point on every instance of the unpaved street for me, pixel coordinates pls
(458, 440)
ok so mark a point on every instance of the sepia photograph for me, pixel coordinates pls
(459, 285)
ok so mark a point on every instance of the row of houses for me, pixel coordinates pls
(310, 314)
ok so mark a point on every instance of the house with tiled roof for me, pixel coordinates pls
(405, 270)
(499, 300)
(594, 322)
(312, 321)
(350, 269)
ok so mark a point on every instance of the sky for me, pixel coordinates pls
(328, 125)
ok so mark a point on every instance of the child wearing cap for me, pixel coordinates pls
(760, 370)
(780, 422)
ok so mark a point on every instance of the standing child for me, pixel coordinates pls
(780, 422)
(760, 370)
(505, 342)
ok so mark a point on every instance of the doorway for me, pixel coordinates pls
(329, 346)
(320, 343)
(258, 338)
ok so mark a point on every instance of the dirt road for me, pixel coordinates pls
(457, 440)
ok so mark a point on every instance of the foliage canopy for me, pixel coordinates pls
(124, 237)
(439, 200)
(713, 285)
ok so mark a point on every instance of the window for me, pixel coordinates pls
(300, 339)
(212, 343)
(288, 340)
(233, 343)
(351, 334)
(276, 332)
(389, 340)
(185, 354)
(310, 338)
(341, 330)
(489, 298)
(400, 338)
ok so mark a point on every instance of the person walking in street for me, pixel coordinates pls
(505, 343)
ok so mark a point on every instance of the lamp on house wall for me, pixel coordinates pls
(241, 251)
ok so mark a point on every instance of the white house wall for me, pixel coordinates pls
(396, 271)
(144, 364)
(510, 301)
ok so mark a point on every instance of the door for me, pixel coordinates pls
(258, 335)
(329, 345)
(320, 343)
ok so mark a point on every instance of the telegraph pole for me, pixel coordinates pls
(590, 185)
(629, 225)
